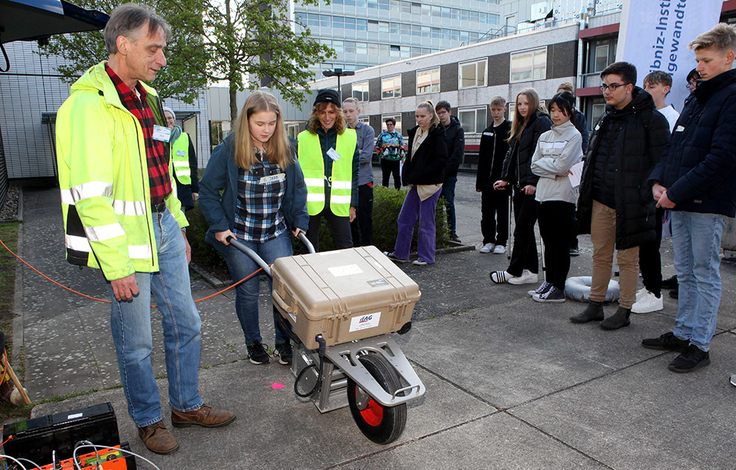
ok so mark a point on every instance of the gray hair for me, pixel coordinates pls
(127, 18)
(169, 110)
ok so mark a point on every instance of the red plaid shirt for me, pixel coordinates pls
(158, 166)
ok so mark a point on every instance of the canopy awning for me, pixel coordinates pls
(29, 20)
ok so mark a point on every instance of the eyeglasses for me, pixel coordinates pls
(612, 86)
(691, 84)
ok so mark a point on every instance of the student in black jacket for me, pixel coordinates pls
(455, 143)
(615, 204)
(696, 180)
(424, 173)
(494, 224)
(530, 121)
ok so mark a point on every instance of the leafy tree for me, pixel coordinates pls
(182, 77)
(246, 43)
(255, 38)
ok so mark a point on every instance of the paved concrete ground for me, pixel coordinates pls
(510, 383)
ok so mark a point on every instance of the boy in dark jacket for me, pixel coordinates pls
(695, 180)
(494, 209)
(455, 142)
(615, 206)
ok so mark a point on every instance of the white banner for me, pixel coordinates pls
(654, 35)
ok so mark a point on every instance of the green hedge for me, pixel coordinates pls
(387, 204)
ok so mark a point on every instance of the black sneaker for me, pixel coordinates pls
(543, 287)
(283, 351)
(257, 353)
(552, 295)
(666, 342)
(670, 283)
(691, 359)
(395, 258)
(675, 293)
(454, 237)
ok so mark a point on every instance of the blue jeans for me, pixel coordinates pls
(412, 208)
(246, 297)
(696, 242)
(448, 192)
(130, 322)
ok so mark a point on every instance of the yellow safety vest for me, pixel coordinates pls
(180, 157)
(341, 179)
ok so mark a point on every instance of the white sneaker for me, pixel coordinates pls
(487, 248)
(648, 303)
(640, 293)
(527, 277)
(499, 250)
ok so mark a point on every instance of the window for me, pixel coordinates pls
(601, 57)
(361, 48)
(360, 91)
(473, 74)
(473, 120)
(292, 130)
(529, 65)
(428, 81)
(395, 51)
(395, 116)
(218, 131)
(391, 87)
(338, 22)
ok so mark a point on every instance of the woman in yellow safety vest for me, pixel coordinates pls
(329, 157)
(185, 162)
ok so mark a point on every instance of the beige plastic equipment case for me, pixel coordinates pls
(344, 295)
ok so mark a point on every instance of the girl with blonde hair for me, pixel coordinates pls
(253, 190)
(424, 173)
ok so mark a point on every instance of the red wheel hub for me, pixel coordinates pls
(373, 413)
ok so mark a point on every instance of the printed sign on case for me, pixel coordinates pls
(363, 322)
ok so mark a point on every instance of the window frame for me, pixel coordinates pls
(479, 128)
(477, 63)
(364, 96)
(432, 83)
(395, 86)
(532, 70)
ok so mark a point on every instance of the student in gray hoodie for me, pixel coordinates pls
(557, 151)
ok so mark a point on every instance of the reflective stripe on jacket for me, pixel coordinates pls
(341, 178)
(103, 176)
(180, 157)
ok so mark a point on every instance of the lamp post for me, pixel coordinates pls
(336, 72)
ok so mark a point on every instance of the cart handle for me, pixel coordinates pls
(307, 243)
(405, 389)
(259, 261)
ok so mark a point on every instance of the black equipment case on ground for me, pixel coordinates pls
(37, 438)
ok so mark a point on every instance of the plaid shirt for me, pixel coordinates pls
(258, 216)
(158, 165)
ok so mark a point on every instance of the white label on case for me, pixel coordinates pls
(364, 322)
(347, 270)
(75, 416)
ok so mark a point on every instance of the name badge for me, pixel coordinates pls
(332, 153)
(272, 178)
(489, 134)
(161, 133)
(679, 129)
(181, 153)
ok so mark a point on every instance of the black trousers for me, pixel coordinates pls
(340, 227)
(650, 261)
(524, 254)
(554, 226)
(362, 227)
(389, 167)
(494, 210)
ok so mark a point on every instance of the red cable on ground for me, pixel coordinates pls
(107, 301)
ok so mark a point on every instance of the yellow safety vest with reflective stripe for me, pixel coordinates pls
(311, 160)
(103, 176)
(180, 157)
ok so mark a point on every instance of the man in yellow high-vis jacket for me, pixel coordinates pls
(120, 215)
(329, 158)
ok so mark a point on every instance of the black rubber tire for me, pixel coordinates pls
(380, 424)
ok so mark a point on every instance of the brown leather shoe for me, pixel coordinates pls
(203, 416)
(158, 439)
